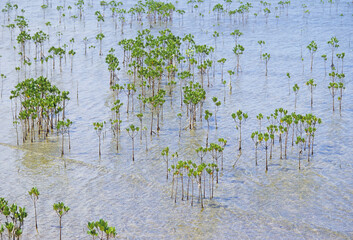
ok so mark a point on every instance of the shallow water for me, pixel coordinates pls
(314, 203)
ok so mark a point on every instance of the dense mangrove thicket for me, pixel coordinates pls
(38, 107)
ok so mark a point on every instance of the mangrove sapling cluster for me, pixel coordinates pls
(303, 129)
(15, 217)
(194, 95)
(101, 230)
(38, 105)
(113, 66)
(203, 174)
(195, 175)
(64, 128)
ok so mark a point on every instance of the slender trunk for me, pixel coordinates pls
(299, 159)
(176, 190)
(187, 192)
(240, 136)
(312, 100)
(68, 133)
(312, 146)
(151, 122)
(167, 167)
(256, 154)
(182, 187)
(62, 144)
(172, 186)
(133, 149)
(200, 191)
(99, 139)
(35, 214)
(60, 226)
(280, 145)
(309, 137)
(192, 192)
(266, 158)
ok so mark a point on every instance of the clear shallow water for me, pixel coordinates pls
(285, 203)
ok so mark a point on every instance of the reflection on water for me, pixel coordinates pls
(314, 203)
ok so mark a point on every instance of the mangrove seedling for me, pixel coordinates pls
(60, 210)
(333, 86)
(238, 50)
(140, 117)
(3, 76)
(85, 41)
(217, 104)
(98, 127)
(215, 35)
(261, 43)
(341, 88)
(324, 57)
(222, 61)
(165, 154)
(288, 77)
(300, 143)
(230, 72)
(133, 131)
(201, 152)
(179, 116)
(264, 138)
(260, 117)
(208, 114)
(272, 129)
(267, 58)
(267, 13)
(239, 118)
(254, 137)
(236, 34)
(341, 56)
(333, 44)
(311, 85)
(312, 49)
(72, 54)
(295, 90)
(100, 37)
(64, 127)
(34, 193)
